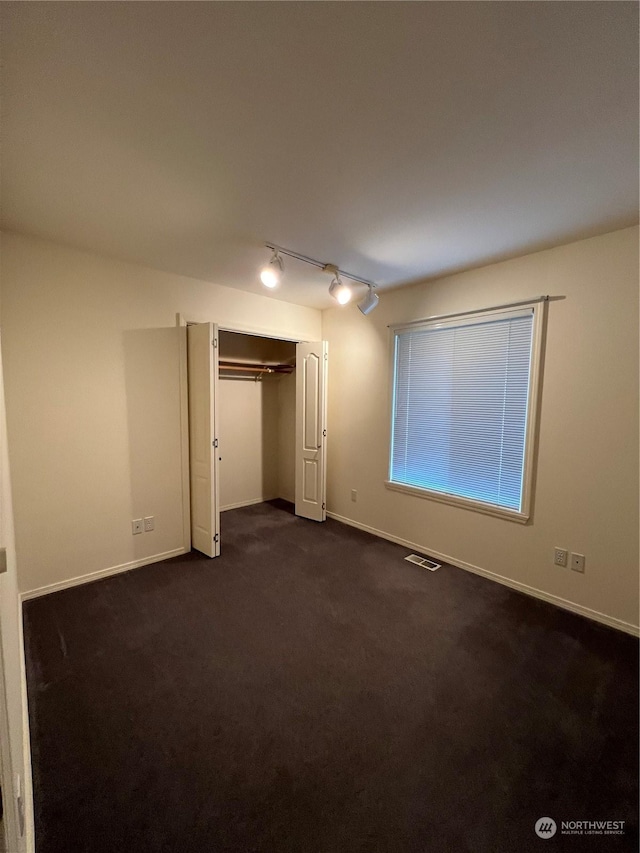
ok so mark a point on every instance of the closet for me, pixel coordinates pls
(257, 419)
(256, 426)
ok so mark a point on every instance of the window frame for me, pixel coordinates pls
(538, 309)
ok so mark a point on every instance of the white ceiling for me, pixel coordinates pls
(398, 140)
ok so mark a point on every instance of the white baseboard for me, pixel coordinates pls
(595, 615)
(246, 503)
(102, 573)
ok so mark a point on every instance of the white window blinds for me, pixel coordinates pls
(461, 394)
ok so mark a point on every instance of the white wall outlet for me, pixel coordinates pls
(136, 526)
(560, 557)
(148, 523)
(577, 562)
(354, 495)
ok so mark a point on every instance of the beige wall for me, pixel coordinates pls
(586, 498)
(248, 441)
(257, 435)
(92, 382)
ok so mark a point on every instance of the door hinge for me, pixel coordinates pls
(324, 433)
(216, 538)
(323, 505)
(214, 342)
(214, 443)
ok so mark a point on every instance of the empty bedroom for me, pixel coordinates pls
(319, 449)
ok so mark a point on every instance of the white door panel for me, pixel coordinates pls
(311, 407)
(202, 351)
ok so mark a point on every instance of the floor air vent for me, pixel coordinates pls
(423, 562)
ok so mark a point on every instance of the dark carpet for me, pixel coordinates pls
(312, 692)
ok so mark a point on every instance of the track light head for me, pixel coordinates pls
(369, 302)
(271, 274)
(340, 291)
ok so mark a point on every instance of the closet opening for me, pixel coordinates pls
(254, 427)
(256, 419)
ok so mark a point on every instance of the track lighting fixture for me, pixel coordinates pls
(271, 275)
(340, 291)
(369, 302)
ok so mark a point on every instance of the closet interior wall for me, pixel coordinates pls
(256, 418)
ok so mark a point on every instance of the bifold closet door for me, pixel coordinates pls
(311, 430)
(202, 349)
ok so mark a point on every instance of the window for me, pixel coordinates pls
(464, 409)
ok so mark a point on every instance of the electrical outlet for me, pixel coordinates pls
(354, 495)
(577, 562)
(148, 524)
(560, 557)
(136, 526)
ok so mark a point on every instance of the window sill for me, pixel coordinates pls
(463, 503)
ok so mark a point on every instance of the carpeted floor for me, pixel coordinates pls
(312, 692)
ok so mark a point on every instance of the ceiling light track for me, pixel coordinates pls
(272, 272)
(323, 266)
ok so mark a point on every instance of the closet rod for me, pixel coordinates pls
(255, 368)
